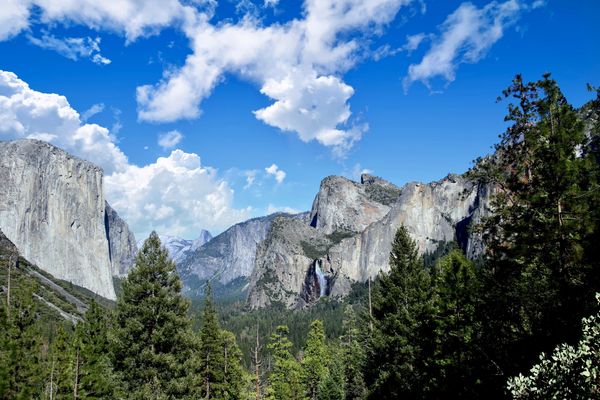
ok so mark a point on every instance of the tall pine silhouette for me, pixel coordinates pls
(152, 331)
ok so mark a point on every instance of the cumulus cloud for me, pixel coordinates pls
(14, 17)
(170, 139)
(278, 174)
(133, 18)
(297, 64)
(27, 113)
(176, 195)
(466, 36)
(72, 48)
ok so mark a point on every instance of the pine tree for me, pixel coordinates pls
(152, 329)
(97, 379)
(353, 354)
(211, 356)
(59, 365)
(333, 385)
(25, 378)
(542, 268)
(285, 379)
(456, 288)
(314, 362)
(235, 379)
(402, 336)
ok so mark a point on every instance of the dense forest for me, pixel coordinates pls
(521, 322)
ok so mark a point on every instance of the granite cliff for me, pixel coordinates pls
(347, 237)
(226, 257)
(52, 208)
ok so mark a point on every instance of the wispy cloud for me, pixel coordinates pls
(465, 37)
(93, 110)
(73, 48)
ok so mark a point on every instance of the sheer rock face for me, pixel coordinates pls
(344, 205)
(350, 233)
(52, 208)
(122, 244)
(225, 257)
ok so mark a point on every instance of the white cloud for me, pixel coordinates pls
(14, 17)
(170, 139)
(539, 3)
(250, 178)
(272, 209)
(466, 36)
(270, 3)
(134, 18)
(176, 194)
(413, 42)
(72, 48)
(27, 113)
(93, 110)
(297, 64)
(276, 172)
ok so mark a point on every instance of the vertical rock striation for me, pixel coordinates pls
(52, 208)
(350, 231)
(121, 241)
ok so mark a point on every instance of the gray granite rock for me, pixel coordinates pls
(52, 208)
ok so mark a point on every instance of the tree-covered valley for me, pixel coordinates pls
(520, 320)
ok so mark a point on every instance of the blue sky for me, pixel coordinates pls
(260, 100)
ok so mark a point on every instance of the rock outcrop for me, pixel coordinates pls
(225, 257)
(350, 231)
(122, 245)
(179, 248)
(52, 208)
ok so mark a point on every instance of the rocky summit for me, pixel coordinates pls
(348, 234)
(52, 207)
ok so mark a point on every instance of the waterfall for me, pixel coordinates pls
(321, 278)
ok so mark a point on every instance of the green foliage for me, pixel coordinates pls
(152, 330)
(315, 360)
(97, 379)
(542, 266)
(402, 320)
(456, 291)
(21, 340)
(285, 379)
(333, 384)
(353, 346)
(571, 372)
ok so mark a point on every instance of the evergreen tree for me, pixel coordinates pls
(235, 377)
(21, 352)
(402, 336)
(353, 354)
(285, 379)
(59, 365)
(4, 354)
(542, 267)
(97, 379)
(314, 362)
(211, 355)
(456, 288)
(333, 385)
(152, 329)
